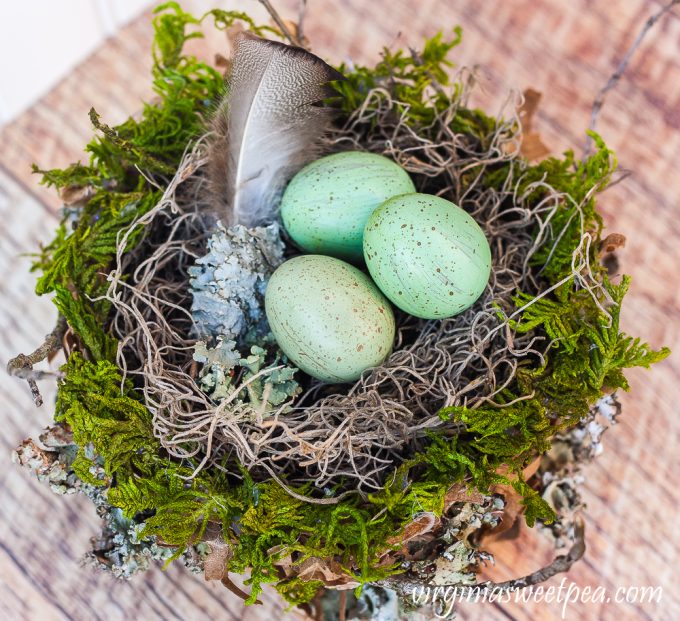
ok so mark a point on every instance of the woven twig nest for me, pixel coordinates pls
(394, 481)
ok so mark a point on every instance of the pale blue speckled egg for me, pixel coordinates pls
(427, 255)
(328, 317)
(326, 205)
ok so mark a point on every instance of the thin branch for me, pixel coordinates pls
(302, 11)
(318, 605)
(620, 70)
(285, 31)
(26, 373)
(342, 606)
(226, 581)
(22, 365)
(407, 587)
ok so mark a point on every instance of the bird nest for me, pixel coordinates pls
(465, 426)
(347, 437)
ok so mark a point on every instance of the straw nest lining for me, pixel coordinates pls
(346, 436)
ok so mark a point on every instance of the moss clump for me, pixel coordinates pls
(113, 428)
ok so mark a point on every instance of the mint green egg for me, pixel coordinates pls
(427, 255)
(326, 205)
(328, 317)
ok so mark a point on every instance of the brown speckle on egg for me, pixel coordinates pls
(331, 329)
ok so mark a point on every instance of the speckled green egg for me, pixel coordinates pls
(326, 205)
(328, 317)
(427, 255)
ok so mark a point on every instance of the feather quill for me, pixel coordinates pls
(267, 127)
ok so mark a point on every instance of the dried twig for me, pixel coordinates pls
(302, 11)
(285, 31)
(22, 365)
(407, 587)
(26, 373)
(620, 70)
(240, 593)
(318, 605)
(342, 606)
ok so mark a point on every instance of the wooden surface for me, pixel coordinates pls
(564, 49)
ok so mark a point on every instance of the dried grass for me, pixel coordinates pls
(348, 436)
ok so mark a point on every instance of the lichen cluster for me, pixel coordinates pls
(227, 287)
(175, 503)
(229, 281)
(121, 546)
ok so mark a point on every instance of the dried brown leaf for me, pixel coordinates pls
(422, 524)
(526, 111)
(76, 195)
(215, 567)
(513, 509)
(611, 243)
(330, 573)
(532, 147)
(57, 436)
(222, 63)
(460, 492)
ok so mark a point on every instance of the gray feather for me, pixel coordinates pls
(267, 127)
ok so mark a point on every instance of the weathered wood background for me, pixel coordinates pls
(564, 49)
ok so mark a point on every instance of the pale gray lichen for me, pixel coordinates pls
(228, 286)
(459, 533)
(51, 464)
(375, 603)
(273, 387)
(224, 369)
(561, 467)
(120, 547)
(456, 565)
(470, 517)
(229, 282)
(219, 362)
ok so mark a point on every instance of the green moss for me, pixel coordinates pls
(408, 76)
(589, 358)
(103, 416)
(580, 181)
(296, 591)
(113, 428)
